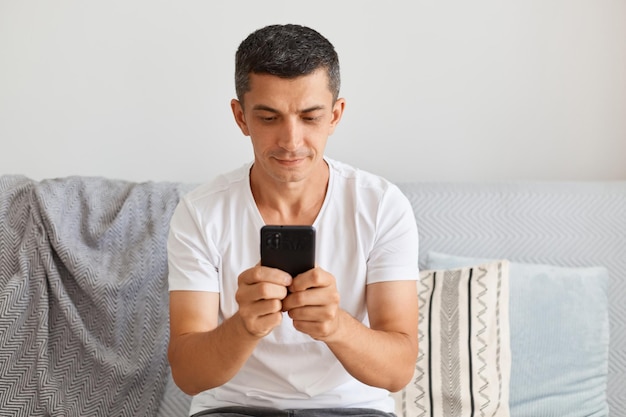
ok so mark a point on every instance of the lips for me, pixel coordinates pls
(289, 162)
(289, 159)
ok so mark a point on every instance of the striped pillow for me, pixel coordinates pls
(463, 367)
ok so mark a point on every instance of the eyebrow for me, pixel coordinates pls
(263, 107)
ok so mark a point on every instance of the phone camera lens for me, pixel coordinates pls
(273, 241)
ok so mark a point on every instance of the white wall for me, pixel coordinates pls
(436, 90)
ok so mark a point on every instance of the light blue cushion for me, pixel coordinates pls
(559, 325)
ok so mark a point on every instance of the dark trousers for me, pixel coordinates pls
(271, 412)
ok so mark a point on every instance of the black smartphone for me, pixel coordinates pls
(290, 248)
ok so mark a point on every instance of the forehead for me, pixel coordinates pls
(268, 89)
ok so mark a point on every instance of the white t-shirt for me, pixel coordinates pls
(366, 233)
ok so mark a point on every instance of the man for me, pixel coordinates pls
(251, 340)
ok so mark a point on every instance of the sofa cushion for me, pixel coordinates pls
(464, 359)
(559, 337)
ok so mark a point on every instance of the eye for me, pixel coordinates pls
(311, 119)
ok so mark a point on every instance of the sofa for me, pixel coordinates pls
(84, 303)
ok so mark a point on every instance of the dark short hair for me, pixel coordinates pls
(286, 51)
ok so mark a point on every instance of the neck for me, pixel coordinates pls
(290, 203)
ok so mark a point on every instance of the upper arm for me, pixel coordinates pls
(192, 312)
(392, 306)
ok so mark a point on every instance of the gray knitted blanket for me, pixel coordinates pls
(83, 296)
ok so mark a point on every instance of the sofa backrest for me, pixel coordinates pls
(566, 224)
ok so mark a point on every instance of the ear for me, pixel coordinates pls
(237, 109)
(338, 108)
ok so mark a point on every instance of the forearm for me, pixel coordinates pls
(382, 355)
(206, 360)
(384, 359)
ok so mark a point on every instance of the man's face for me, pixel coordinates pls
(288, 121)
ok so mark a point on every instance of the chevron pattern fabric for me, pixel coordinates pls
(83, 297)
(566, 224)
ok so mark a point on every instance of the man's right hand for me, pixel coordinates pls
(204, 354)
(259, 294)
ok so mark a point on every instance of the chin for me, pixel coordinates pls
(292, 177)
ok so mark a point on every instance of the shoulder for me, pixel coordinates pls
(363, 183)
(220, 185)
(215, 200)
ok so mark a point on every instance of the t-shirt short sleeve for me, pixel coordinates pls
(394, 255)
(192, 260)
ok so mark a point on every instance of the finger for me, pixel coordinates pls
(260, 273)
(260, 291)
(260, 308)
(313, 278)
(313, 313)
(261, 325)
(318, 330)
(320, 296)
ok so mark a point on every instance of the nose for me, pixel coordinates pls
(291, 133)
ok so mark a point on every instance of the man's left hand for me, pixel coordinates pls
(313, 304)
